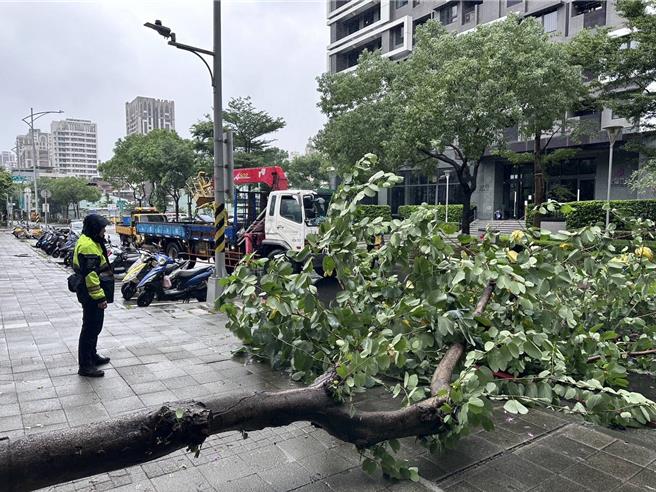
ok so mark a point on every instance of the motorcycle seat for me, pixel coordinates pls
(190, 273)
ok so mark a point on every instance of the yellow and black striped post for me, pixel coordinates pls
(219, 227)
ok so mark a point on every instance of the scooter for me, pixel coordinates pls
(138, 270)
(172, 284)
(66, 251)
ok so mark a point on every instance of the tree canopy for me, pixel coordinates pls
(536, 319)
(68, 192)
(249, 125)
(308, 171)
(161, 158)
(451, 101)
(6, 188)
(622, 68)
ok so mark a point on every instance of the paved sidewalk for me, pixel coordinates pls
(179, 351)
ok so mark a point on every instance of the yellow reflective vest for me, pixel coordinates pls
(89, 261)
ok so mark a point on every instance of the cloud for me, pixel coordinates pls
(90, 57)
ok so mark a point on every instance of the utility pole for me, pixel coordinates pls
(214, 288)
(220, 214)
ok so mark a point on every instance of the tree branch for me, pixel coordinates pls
(442, 376)
(626, 354)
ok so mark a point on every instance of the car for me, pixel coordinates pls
(76, 226)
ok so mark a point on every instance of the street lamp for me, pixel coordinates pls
(214, 287)
(614, 133)
(29, 121)
(447, 174)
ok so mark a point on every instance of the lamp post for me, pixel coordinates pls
(29, 121)
(446, 210)
(220, 215)
(614, 133)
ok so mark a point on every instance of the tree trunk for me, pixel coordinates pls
(176, 200)
(189, 205)
(70, 454)
(538, 177)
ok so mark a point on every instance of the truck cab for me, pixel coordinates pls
(291, 215)
(127, 228)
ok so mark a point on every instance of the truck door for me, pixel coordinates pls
(288, 224)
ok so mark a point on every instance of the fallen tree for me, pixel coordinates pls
(82, 451)
(571, 315)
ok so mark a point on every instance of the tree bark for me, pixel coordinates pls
(70, 454)
(41, 460)
(538, 177)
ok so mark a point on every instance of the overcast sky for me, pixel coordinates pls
(89, 57)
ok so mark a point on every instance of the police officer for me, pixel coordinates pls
(94, 291)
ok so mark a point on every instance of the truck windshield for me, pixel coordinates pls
(315, 209)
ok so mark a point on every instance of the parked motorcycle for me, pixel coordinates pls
(66, 250)
(170, 281)
(138, 270)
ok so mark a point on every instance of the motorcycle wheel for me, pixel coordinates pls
(128, 290)
(202, 296)
(145, 298)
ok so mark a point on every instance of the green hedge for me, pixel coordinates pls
(455, 211)
(591, 212)
(550, 217)
(373, 211)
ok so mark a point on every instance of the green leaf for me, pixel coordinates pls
(515, 407)
(369, 466)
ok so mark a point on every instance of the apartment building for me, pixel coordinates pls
(7, 160)
(144, 114)
(29, 155)
(389, 26)
(74, 147)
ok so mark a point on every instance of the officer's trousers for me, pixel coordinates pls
(92, 323)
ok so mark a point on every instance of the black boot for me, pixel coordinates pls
(91, 372)
(99, 360)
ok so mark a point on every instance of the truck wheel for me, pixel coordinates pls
(173, 250)
(145, 298)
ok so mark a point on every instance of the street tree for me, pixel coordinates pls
(360, 110)
(456, 98)
(124, 169)
(622, 71)
(448, 329)
(547, 85)
(7, 188)
(249, 126)
(68, 192)
(308, 171)
(168, 162)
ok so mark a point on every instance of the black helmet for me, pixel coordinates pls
(93, 224)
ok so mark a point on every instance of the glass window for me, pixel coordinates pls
(290, 209)
(550, 21)
(272, 206)
(397, 36)
(400, 3)
(448, 14)
(510, 3)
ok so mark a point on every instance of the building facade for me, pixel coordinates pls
(74, 147)
(25, 152)
(7, 160)
(389, 26)
(144, 114)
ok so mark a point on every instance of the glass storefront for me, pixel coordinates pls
(418, 188)
(570, 180)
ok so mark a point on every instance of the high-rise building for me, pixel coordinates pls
(25, 151)
(7, 160)
(144, 114)
(390, 25)
(74, 147)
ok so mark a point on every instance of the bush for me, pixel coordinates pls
(591, 212)
(455, 211)
(373, 211)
